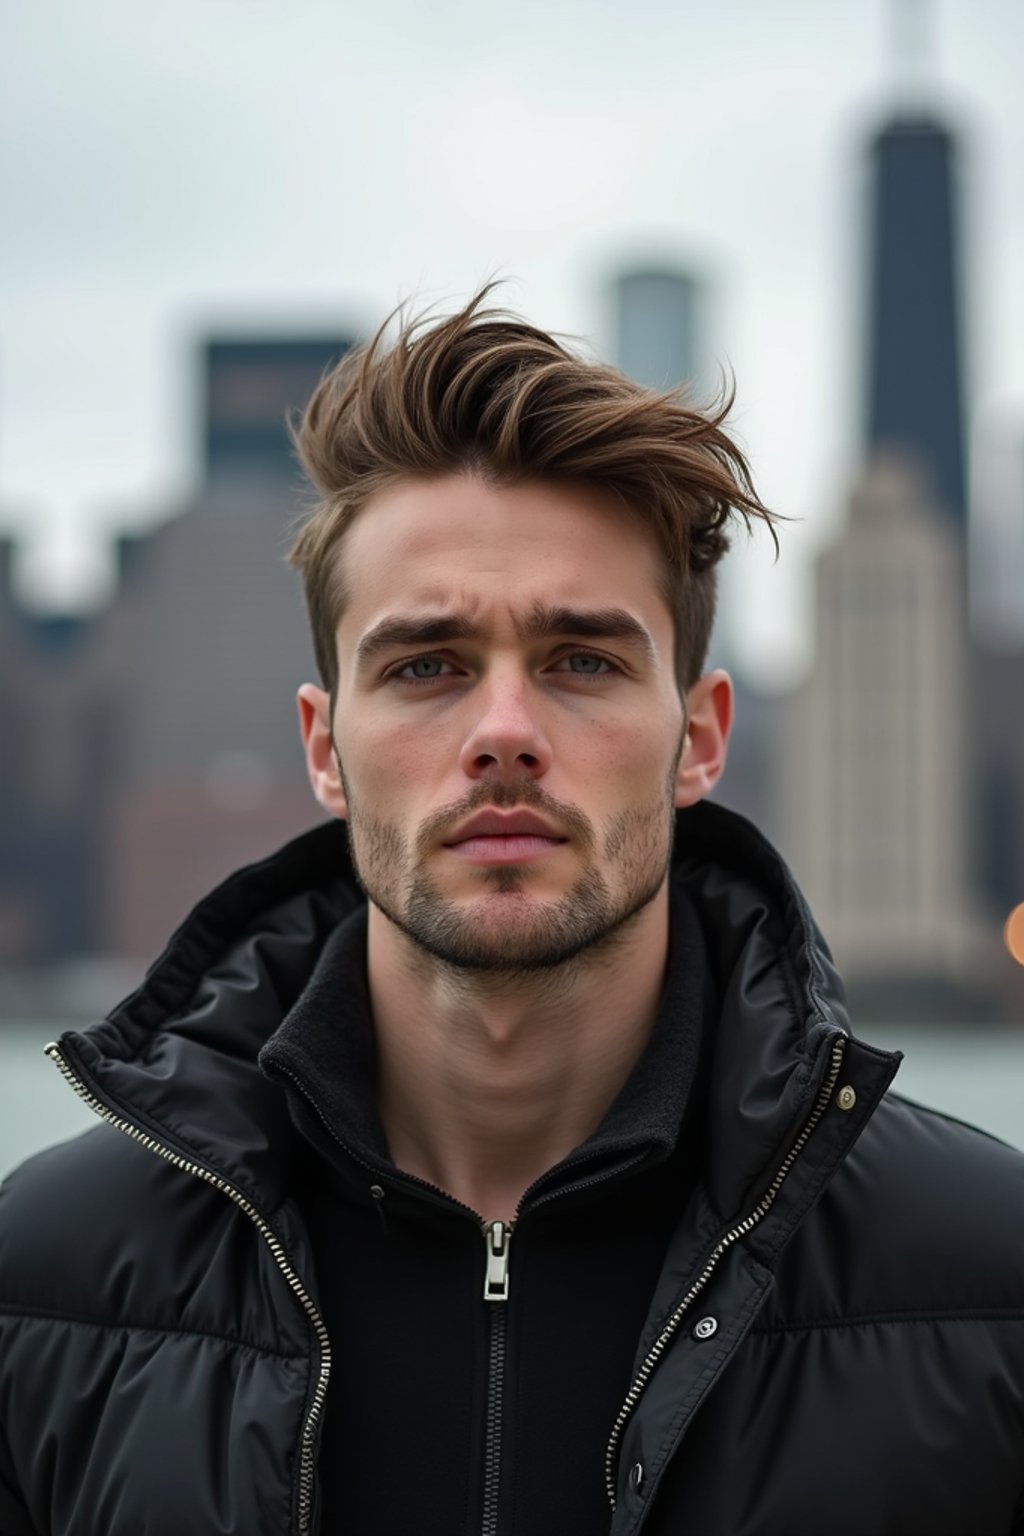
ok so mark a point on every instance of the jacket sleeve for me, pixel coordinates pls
(14, 1520)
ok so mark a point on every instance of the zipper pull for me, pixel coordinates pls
(497, 1237)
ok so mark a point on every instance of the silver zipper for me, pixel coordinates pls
(740, 1230)
(497, 1238)
(306, 1459)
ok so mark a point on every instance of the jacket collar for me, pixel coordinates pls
(324, 1055)
(179, 1056)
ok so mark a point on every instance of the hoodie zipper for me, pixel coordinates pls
(309, 1432)
(740, 1230)
(497, 1237)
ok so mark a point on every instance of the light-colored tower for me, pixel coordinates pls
(875, 761)
(997, 536)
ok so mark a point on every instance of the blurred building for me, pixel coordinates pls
(878, 761)
(900, 763)
(914, 375)
(662, 340)
(58, 704)
(660, 328)
(213, 619)
(750, 783)
(997, 535)
(150, 750)
(997, 735)
(249, 388)
(997, 663)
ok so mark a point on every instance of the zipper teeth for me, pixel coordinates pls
(581, 1184)
(53, 1051)
(495, 1404)
(434, 1189)
(376, 1170)
(740, 1230)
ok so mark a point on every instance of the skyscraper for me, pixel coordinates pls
(159, 735)
(658, 325)
(876, 758)
(914, 371)
(251, 384)
(209, 770)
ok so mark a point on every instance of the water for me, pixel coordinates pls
(974, 1073)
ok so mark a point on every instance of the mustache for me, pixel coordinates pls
(506, 797)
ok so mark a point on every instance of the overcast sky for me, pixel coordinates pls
(217, 164)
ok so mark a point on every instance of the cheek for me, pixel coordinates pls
(633, 758)
(389, 771)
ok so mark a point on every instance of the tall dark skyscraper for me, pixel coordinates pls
(914, 365)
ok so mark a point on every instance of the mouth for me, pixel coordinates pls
(512, 838)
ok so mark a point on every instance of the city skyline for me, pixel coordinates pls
(119, 763)
(731, 146)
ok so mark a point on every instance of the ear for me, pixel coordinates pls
(709, 706)
(318, 744)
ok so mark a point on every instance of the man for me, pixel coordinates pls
(503, 1163)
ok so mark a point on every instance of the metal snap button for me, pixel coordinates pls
(846, 1097)
(705, 1328)
(376, 1193)
(636, 1475)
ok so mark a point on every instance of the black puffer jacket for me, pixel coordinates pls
(836, 1342)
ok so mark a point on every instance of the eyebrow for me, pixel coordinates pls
(543, 622)
(592, 623)
(394, 632)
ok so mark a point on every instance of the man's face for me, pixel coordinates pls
(507, 722)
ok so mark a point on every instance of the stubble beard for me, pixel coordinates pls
(508, 931)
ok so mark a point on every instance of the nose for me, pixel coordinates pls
(506, 738)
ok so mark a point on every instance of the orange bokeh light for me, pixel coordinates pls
(1013, 933)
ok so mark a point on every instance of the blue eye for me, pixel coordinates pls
(425, 667)
(586, 665)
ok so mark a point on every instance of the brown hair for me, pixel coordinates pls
(485, 393)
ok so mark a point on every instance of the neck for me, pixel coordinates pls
(488, 1080)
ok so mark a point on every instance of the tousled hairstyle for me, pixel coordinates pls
(485, 393)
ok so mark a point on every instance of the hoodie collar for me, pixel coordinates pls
(324, 1051)
(179, 1057)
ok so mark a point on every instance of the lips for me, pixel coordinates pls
(504, 824)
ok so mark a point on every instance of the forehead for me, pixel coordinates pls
(456, 541)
